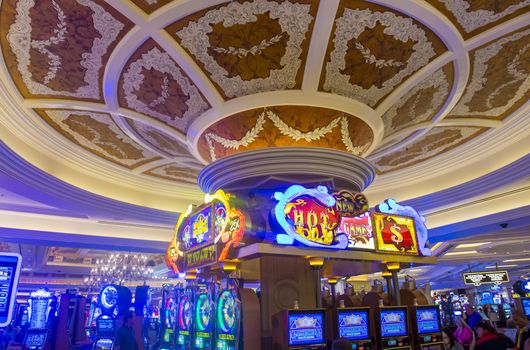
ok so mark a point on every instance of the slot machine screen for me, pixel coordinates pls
(525, 303)
(428, 320)
(34, 340)
(306, 327)
(168, 334)
(353, 324)
(393, 322)
(105, 326)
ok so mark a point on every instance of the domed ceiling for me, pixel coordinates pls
(130, 99)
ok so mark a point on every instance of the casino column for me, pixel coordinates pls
(388, 277)
(393, 267)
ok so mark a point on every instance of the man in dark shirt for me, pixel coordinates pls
(125, 339)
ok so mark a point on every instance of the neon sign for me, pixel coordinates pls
(308, 216)
(359, 231)
(349, 204)
(395, 234)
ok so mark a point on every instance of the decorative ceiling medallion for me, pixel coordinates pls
(250, 47)
(149, 6)
(500, 81)
(472, 15)
(419, 104)
(175, 172)
(97, 133)
(357, 65)
(285, 126)
(59, 47)
(153, 84)
(434, 142)
(159, 140)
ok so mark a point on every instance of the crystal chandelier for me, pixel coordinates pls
(120, 268)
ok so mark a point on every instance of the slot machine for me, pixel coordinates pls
(113, 300)
(184, 319)
(299, 329)
(525, 306)
(227, 320)
(204, 320)
(356, 325)
(392, 328)
(427, 327)
(38, 335)
(170, 316)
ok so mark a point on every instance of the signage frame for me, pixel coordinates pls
(467, 281)
(5, 320)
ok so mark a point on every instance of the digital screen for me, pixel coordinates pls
(8, 265)
(35, 339)
(428, 320)
(525, 302)
(105, 325)
(306, 327)
(353, 324)
(393, 322)
(39, 313)
(167, 335)
(197, 229)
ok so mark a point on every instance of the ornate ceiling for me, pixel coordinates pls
(139, 95)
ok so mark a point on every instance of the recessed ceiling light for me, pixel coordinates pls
(463, 252)
(471, 245)
(514, 260)
(500, 266)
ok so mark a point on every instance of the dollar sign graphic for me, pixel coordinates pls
(397, 236)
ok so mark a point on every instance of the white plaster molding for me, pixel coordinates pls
(152, 165)
(322, 28)
(498, 31)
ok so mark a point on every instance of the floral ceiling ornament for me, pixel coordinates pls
(19, 38)
(412, 108)
(160, 61)
(195, 38)
(471, 20)
(293, 133)
(350, 26)
(479, 79)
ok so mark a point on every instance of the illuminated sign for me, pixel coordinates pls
(197, 230)
(308, 216)
(395, 234)
(490, 277)
(359, 231)
(201, 257)
(349, 204)
(9, 273)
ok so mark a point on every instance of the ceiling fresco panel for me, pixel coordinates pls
(176, 173)
(98, 134)
(246, 47)
(500, 78)
(59, 48)
(373, 50)
(153, 84)
(150, 6)
(436, 141)
(472, 17)
(285, 126)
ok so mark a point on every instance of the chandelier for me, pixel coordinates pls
(120, 268)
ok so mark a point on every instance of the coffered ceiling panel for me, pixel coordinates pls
(472, 17)
(153, 84)
(98, 134)
(373, 49)
(500, 81)
(434, 142)
(163, 142)
(176, 173)
(421, 103)
(150, 6)
(59, 48)
(284, 126)
(250, 47)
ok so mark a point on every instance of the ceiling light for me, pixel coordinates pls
(471, 245)
(463, 252)
(501, 266)
(514, 260)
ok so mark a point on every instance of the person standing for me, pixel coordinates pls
(125, 338)
(473, 318)
(523, 328)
